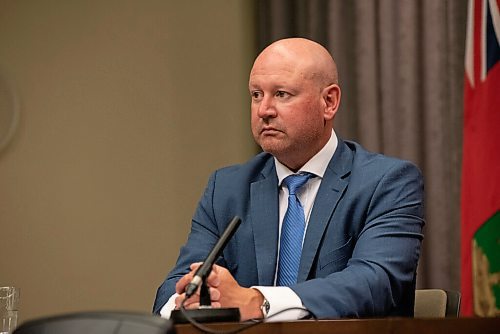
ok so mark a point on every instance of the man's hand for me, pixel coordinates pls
(194, 301)
(224, 292)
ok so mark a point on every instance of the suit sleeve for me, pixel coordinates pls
(382, 268)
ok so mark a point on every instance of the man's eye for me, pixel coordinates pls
(256, 95)
(281, 93)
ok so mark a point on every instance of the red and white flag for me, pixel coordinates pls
(480, 200)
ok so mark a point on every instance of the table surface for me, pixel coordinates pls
(365, 326)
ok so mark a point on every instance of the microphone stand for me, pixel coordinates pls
(205, 301)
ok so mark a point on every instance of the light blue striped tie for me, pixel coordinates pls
(292, 232)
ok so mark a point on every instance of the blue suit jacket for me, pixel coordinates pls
(362, 242)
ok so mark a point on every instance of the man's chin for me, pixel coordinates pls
(276, 148)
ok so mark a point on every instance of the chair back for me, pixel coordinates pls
(436, 303)
(98, 323)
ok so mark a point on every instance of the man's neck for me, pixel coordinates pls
(316, 164)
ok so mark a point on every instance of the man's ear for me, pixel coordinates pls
(331, 97)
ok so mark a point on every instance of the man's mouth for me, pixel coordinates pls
(269, 130)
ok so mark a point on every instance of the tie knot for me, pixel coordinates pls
(295, 181)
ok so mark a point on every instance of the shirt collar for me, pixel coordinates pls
(316, 165)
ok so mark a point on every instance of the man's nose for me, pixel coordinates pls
(267, 108)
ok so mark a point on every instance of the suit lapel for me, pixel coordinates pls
(332, 187)
(264, 210)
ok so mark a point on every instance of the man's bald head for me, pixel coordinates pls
(295, 96)
(308, 57)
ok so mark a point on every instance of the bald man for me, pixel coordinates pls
(363, 212)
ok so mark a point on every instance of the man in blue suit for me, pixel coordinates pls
(363, 212)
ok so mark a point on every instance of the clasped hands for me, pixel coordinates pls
(224, 292)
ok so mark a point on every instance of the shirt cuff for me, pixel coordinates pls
(168, 307)
(281, 298)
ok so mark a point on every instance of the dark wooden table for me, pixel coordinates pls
(366, 326)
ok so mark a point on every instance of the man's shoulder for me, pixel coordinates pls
(260, 165)
(368, 162)
(362, 154)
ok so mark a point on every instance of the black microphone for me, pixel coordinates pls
(206, 267)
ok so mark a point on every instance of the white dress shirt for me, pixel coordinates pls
(279, 297)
